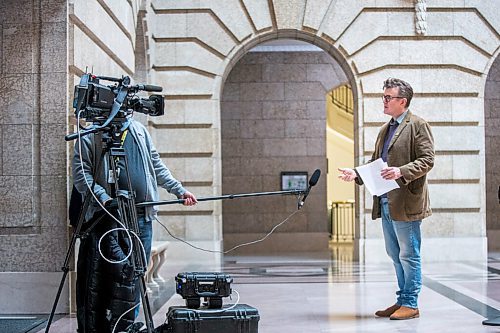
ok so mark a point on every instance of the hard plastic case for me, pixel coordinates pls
(240, 319)
(210, 285)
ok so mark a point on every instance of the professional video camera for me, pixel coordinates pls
(106, 106)
(96, 100)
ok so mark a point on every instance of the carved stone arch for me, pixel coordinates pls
(303, 35)
(298, 239)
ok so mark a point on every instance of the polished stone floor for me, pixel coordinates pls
(328, 292)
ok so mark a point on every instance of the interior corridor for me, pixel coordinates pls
(328, 292)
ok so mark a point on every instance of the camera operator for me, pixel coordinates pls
(107, 290)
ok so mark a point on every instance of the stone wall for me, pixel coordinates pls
(190, 47)
(196, 46)
(273, 115)
(33, 233)
(492, 135)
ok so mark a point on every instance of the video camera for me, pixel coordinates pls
(96, 101)
(109, 105)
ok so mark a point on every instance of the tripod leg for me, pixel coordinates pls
(69, 254)
(128, 216)
(65, 267)
(146, 307)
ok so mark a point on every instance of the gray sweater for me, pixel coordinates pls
(156, 173)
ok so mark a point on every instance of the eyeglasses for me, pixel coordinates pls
(388, 98)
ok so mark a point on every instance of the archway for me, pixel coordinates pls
(273, 120)
(492, 155)
(340, 154)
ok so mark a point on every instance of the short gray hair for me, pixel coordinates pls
(405, 89)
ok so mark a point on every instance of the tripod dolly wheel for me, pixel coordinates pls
(193, 302)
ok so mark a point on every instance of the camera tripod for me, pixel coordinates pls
(124, 203)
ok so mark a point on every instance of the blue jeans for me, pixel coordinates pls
(146, 237)
(402, 243)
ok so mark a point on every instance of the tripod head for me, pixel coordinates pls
(112, 134)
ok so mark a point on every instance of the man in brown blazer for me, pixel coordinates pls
(407, 145)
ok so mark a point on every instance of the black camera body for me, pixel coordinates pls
(212, 286)
(94, 101)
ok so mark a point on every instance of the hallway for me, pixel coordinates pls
(318, 292)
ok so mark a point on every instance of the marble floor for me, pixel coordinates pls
(328, 292)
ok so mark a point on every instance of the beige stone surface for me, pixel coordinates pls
(187, 111)
(194, 169)
(183, 140)
(91, 57)
(468, 109)
(289, 13)
(92, 15)
(183, 82)
(447, 138)
(176, 209)
(385, 53)
(488, 9)
(469, 224)
(229, 12)
(456, 167)
(313, 8)
(176, 225)
(480, 34)
(187, 54)
(425, 80)
(432, 109)
(126, 14)
(438, 225)
(201, 228)
(366, 27)
(456, 195)
(202, 26)
(340, 15)
(259, 12)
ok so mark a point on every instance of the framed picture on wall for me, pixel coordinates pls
(294, 180)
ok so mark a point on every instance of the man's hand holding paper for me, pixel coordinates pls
(378, 177)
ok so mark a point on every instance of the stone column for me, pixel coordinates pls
(33, 90)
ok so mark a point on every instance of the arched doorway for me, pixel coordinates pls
(273, 120)
(340, 154)
(492, 152)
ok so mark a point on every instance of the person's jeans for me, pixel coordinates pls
(402, 243)
(146, 237)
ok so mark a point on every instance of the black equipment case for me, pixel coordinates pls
(240, 319)
(212, 286)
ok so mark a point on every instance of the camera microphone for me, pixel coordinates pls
(312, 182)
(149, 87)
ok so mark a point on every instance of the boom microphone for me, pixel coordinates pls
(314, 178)
(312, 182)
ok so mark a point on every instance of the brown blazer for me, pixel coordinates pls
(412, 150)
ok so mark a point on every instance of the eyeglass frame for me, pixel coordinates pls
(388, 98)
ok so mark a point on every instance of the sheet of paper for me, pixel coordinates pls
(370, 174)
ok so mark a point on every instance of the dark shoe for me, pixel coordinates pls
(387, 312)
(404, 313)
